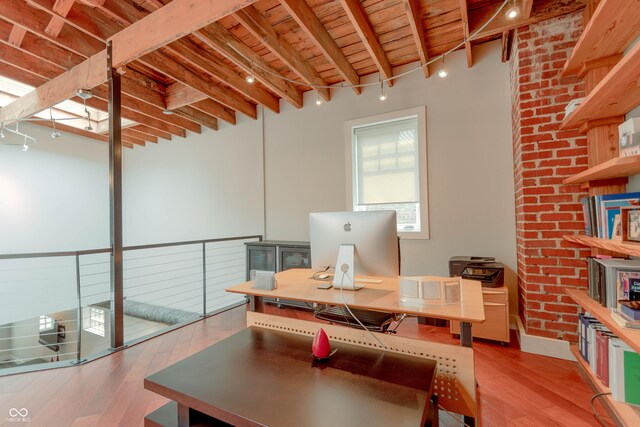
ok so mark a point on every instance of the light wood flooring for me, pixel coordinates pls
(514, 388)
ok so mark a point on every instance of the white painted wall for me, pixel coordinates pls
(209, 185)
(55, 197)
(471, 188)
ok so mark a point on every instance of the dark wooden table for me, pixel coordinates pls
(262, 377)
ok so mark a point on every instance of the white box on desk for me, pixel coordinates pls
(430, 290)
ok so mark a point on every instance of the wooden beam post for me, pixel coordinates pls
(464, 12)
(115, 198)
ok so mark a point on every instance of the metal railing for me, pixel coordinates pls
(55, 307)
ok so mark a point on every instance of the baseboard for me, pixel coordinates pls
(542, 345)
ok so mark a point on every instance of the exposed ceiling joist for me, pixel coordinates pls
(414, 14)
(527, 8)
(204, 84)
(464, 12)
(178, 18)
(261, 29)
(367, 34)
(215, 68)
(543, 10)
(222, 41)
(309, 22)
(197, 116)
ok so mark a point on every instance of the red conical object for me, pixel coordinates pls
(321, 348)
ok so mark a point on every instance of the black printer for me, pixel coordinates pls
(483, 269)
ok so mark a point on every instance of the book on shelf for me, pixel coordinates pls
(608, 279)
(623, 320)
(624, 372)
(602, 213)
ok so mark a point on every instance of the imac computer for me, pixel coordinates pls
(355, 244)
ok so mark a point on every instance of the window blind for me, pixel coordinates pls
(387, 163)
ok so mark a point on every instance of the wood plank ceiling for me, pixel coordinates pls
(201, 78)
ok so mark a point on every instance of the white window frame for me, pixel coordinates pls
(46, 323)
(420, 113)
(94, 320)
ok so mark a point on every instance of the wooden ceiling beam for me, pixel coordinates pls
(17, 35)
(215, 109)
(61, 8)
(134, 104)
(262, 30)
(507, 38)
(210, 65)
(197, 116)
(360, 20)
(41, 47)
(222, 41)
(151, 131)
(30, 63)
(36, 20)
(204, 84)
(155, 30)
(414, 14)
(464, 13)
(124, 14)
(179, 95)
(311, 25)
(527, 8)
(130, 131)
(543, 10)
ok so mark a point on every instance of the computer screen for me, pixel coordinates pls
(374, 235)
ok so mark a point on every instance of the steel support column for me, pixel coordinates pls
(115, 193)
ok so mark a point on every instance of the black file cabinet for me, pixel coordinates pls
(276, 255)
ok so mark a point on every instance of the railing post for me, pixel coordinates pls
(78, 314)
(204, 278)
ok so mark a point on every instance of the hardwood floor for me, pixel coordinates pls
(515, 388)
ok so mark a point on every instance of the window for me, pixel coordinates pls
(94, 322)
(46, 323)
(387, 168)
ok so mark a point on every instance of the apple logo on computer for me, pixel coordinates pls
(347, 227)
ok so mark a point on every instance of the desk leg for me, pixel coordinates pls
(466, 339)
(256, 303)
(183, 416)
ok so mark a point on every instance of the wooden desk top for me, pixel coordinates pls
(261, 377)
(298, 284)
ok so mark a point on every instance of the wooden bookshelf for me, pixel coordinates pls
(611, 29)
(616, 94)
(626, 248)
(603, 314)
(618, 167)
(628, 414)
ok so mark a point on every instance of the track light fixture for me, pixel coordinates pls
(55, 133)
(2, 130)
(250, 79)
(318, 99)
(513, 10)
(443, 71)
(382, 96)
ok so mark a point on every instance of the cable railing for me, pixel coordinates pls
(55, 307)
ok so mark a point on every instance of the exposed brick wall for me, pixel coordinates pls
(543, 156)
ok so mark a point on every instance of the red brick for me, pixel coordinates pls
(561, 308)
(561, 326)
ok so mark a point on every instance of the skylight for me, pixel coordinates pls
(10, 90)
